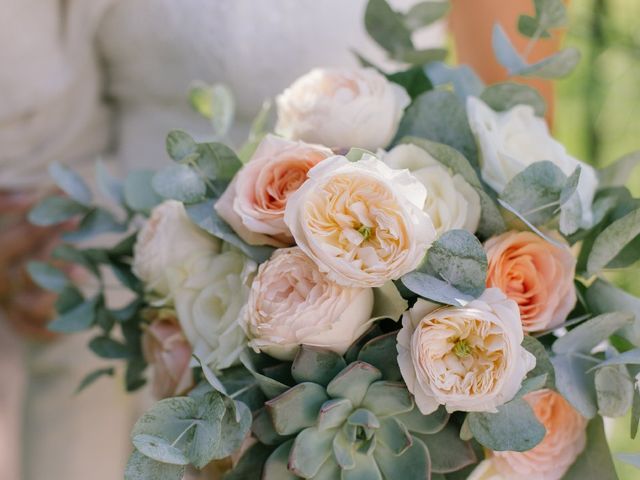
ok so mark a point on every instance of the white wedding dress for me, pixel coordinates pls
(79, 73)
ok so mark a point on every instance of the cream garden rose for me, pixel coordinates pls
(254, 202)
(465, 358)
(292, 303)
(355, 107)
(169, 238)
(551, 458)
(209, 293)
(537, 274)
(511, 141)
(361, 222)
(451, 202)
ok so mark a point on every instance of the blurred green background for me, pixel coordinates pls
(598, 119)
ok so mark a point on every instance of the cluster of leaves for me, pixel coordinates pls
(82, 303)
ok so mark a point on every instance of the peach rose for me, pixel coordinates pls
(551, 458)
(254, 202)
(537, 274)
(293, 303)
(167, 350)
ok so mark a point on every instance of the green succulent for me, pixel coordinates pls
(353, 421)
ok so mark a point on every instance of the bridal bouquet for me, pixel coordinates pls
(407, 280)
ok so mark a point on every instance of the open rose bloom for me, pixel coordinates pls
(535, 273)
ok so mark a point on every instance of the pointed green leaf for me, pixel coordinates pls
(353, 382)
(70, 183)
(417, 422)
(575, 381)
(334, 413)
(275, 468)
(317, 365)
(387, 27)
(311, 448)
(141, 467)
(262, 428)
(504, 96)
(610, 242)
(378, 351)
(343, 450)
(388, 398)
(447, 451)
(297, 408)
(179, 182)
(93, 376)
(587, 335)
(78, 318)
(365, 468)
(394, 435)
(55, 210)
(425, 13)
(109, 185)
(47, 276)
(413, 464)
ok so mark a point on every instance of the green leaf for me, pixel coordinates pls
(78, 318)
(503, 96)
(234, 428)
(614, 390)
(587, 335)
(365, 468)
(618, 173)
(575, 381)
(549, 14)
(458, 258)
(387, 398)
(269, 386)
(417, 422)
(420, 57)
(378, 352)
(47, 276)
(505, 52)
(413, 464)
(447, 451)
(515, 427)
(141, 467)
(528, 26)
(297, 408)
(97, 222)
(334, 413)
(317, 365)
(179, 182)
(180, 145)
(387, 302)
(535, 191)
(214, 102)
(93, 376)
(610, 242)
(106, 347)
(138, 192)
(55, 210)
(133, 375)
(159, 450)
(387, 27)
(425, 13)
(275, 468)
(602, 297)
(435, 289)
(259, 130)
(262, 428)
(413, 80)
(462, 78)
(543, 362)
(204, 215)
(109, 185)
(558, 65)
(630, 357)
(218, 163)
(311, 448)
(394, 435)
(353, 382)
(250, 464)
(595, 460)
(70, 183)
(71, 254)
(440, 116)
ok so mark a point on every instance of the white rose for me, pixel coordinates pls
(451, 202)
(293, 303)
(361, 222)
(209, 293)
(169, 238)
(512, 140)
(355, 107)
(465, 358)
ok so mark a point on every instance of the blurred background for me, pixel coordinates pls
(597, 118)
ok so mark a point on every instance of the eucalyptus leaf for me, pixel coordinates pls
(413, 80)
(420, 57)
(78, 318)
(603, 297)
(180, 145)
(543, 362)
(138, 192)
(106, 347)
(432, 288)
(109, 185)
(630, 357)
(259, 130)
(618, 173)
(55, 210)
(214, 102)
(387, 27)
(575, 381)
(91, 377)
(218, 163)
(441, 117)
(447, 451)
(47, 276)
(204, 215)
(97, 222)
(595, 460)
(549, 14)
(250, 464)
(514, 428)
(614, 390)
(558, 65)
(587, 335)
(141, 467)
(179, 182)
(387, 302)
(505, 52)
(610, 242)
(528, 224)
(504, 96)
(70, 183)
(425, 13)
(464, 80)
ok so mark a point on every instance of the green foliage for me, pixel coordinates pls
(549, 14)
(595, 460)
(47, 276)
(55, 210)
(454, 272)
(462, 78)
(413, 80)
(139, 195)
(70, 183)
(612, 240)
(503, 96)
(181, 183)
(215, 103)
(91, 377)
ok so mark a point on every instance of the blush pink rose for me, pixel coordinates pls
(167, 350)
(565, 439)
(255, 201)
(537, 274)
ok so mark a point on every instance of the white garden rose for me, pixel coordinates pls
(510, 141)
(209, 293)
(293, 303)
(465, 358)
(361, 222)
(451, 202)
(348, 107)
(169, 238)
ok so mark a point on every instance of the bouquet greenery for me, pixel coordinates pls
(407, 280)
